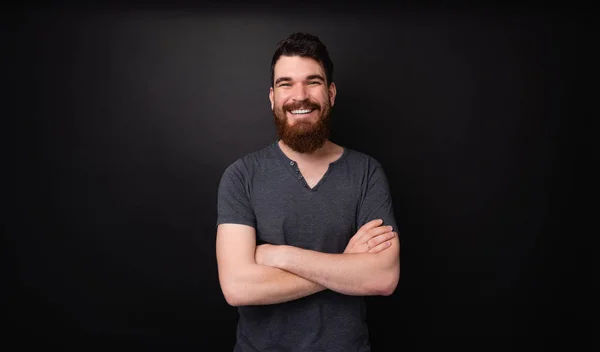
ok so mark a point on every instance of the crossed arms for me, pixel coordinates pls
(269, 274)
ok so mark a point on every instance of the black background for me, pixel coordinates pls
(126, 116)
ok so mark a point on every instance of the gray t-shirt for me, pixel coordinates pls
(265, 190)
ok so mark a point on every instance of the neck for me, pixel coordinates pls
(316, 155)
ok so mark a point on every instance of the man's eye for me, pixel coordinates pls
(285, 85)
(314, 82)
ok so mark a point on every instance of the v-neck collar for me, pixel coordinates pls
(292, 166)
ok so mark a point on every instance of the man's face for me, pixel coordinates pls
(301, 101)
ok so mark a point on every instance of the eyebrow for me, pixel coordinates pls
(308, 78)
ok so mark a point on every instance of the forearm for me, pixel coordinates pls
(349, 273)
(261, 284)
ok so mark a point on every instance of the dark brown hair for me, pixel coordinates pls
(304, 45)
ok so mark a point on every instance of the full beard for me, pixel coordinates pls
(303, 136)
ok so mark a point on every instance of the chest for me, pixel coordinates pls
(312, 174)
(287, 212)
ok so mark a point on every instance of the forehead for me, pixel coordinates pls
(297, 67)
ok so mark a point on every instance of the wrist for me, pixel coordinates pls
(280, 260)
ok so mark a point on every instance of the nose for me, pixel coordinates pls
(299, 93)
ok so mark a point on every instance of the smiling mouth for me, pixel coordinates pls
(301, 111)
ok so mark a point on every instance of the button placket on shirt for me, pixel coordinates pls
(296, 170)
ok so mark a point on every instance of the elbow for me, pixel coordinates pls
(390, 276)
(387, 283)
(232, 300)
(233, 295)
(388, 288)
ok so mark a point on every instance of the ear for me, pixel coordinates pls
(271, 97)
(332, 93)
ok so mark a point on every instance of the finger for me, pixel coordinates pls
(374, 241)
(367, 235)
(381, 247)
(365, 228)
(377, 232)
(371, 224)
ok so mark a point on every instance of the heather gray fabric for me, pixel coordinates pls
(265, 190)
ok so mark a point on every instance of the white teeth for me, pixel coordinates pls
(305, 111)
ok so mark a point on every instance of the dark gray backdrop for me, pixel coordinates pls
(127, 116)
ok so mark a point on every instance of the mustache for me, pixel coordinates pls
(301, 105)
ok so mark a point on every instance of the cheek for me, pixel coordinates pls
(279, 100)
(278, 105)
(326, 99)
(321, 94)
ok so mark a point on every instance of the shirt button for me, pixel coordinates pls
(300, 177)
(291, 163)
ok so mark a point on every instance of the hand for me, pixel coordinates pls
(372, 237)
(265, 254)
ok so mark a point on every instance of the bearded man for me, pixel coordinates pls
(305, 227)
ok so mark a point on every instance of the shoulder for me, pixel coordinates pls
(249, 163)
(360, 160)
(365, 167)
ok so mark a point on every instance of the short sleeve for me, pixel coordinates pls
(233, 200)
(376, 202)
